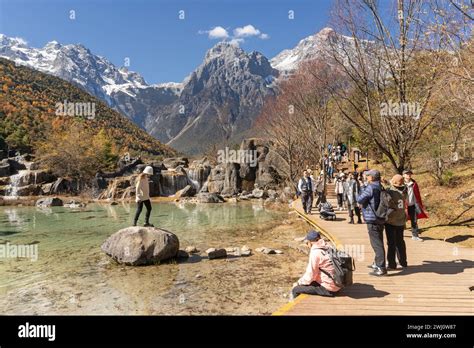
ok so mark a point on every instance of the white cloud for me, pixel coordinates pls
(216, 33)
(248, 30)
(238, 36)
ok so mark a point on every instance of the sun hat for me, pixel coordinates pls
(148, 170)
(397, 180)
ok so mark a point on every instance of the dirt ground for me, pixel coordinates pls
(450, 208)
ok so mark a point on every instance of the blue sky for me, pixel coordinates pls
(162, 47)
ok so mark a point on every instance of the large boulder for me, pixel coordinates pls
(62, 185)
(205, 197)
(4, 168)
(141, 245)
(171, 181)
(49, 202)
(232, 181)
(215, 182)
(175, 161)
(16, 164)
(188, 191)
(34, 177)
(259, 193)
(29, 190)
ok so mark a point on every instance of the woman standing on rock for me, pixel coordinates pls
(142, 196)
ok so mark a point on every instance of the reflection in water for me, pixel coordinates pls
(72, 274)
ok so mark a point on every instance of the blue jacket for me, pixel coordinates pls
(370, 195)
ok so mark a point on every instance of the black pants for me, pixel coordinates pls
(340, 201)
(376, 241)
(313, 289)
(357, 212)
(413, 219)
(140, 204)
(320, 198)
(395, 245)
(307, 201)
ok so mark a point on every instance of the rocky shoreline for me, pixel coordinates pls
(22, 180)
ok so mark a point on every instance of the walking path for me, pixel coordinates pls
(437, 281)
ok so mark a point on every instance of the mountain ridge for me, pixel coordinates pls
(176, 112)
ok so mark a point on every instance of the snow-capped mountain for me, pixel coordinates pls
(311, 47)
(219, 100)
(119, 87)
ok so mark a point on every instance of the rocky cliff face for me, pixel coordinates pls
(218, 103)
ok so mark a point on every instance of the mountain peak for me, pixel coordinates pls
(225, 49)
(325, 32)
(12, 41)
(52, 45)
(309, 48)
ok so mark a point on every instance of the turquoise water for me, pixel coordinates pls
(72, 275)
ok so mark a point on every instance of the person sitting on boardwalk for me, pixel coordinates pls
(414, 204)
(305, 187)
(143, 196)
(395, 223)
(370, 200)
(317, 280)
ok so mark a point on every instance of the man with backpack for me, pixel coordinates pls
(305, 187)
(369, 198)
(395, 223)
(319, 274)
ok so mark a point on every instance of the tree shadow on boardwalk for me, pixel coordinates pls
(359, 291)
(438, 267)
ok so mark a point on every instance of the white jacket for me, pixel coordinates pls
(142, 189)
(339, 186)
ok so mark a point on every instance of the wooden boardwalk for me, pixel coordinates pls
(437, 281)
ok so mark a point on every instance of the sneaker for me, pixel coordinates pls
(390, 268)
(372, 266)
(417, 239)
(379, 272)
(148, 225)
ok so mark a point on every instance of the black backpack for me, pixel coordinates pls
(343, 267)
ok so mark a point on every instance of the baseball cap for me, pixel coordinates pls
(374, 173)
(312, 235)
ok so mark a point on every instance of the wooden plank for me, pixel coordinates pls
(435, 283)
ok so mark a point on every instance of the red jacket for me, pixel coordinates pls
(416, 191)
